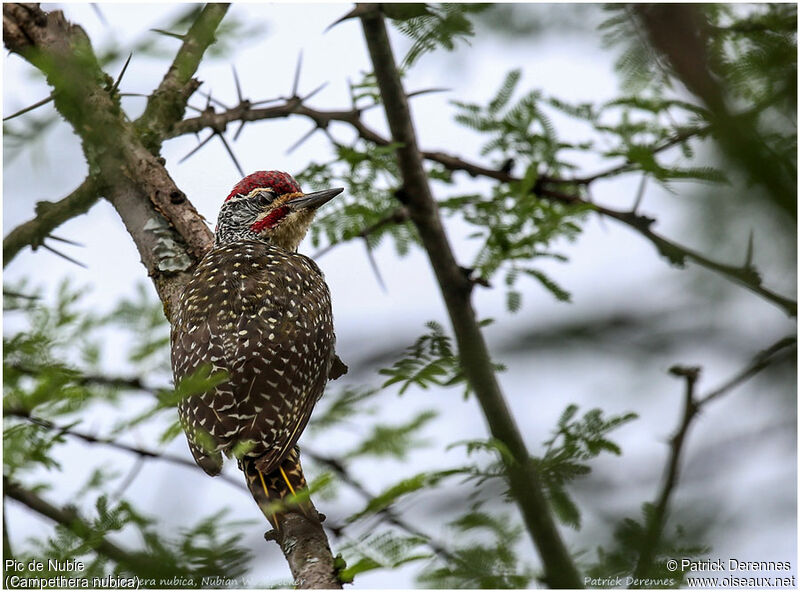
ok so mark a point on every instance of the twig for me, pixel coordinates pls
(772, 354)
(396, 216)
(140, 452)
(50, 215)
(79, 378)
(560, 571)
(657, 518)
(691, 407)
(746, 276)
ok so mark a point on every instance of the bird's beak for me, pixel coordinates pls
(313, 200)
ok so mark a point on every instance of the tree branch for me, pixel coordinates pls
(49, 216)
(140, 452)
(560, 572)
(546, 188)
(167, 104)
(134, 562)
(305, 546)
(165, 107)
(746, 275)
(691, 407)
(168, 232)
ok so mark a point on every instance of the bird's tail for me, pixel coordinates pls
(276, 492)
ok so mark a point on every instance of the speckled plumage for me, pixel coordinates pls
(268, 323)
(261, 312)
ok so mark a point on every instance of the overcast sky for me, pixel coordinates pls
(610, 269)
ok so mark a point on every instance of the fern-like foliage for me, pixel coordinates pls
(432, 360)
(574, 443)
(434, 26)
(367, 207)
(485, 556)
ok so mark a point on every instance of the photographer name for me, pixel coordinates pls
(734, 565)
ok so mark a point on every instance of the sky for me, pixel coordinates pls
(610, 269)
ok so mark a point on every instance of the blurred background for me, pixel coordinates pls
(631, 316)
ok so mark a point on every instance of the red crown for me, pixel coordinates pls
(280, 182)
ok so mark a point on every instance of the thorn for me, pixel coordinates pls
(233, 157)
(374, 265)
(748, 258)
(200, 145)
(296, 82)
(31, 108)
(239, 131)
(427, 91)
(213, 100)
(65, 240)
(121, 74)
(135, 95)
(238, 86)
(313, 92)
(323, 251)
(67, 257)
(99, 13)
(275, 100)
(305, 137)
(357, 11)
(193, 108)
(639, 194)
(168, 33)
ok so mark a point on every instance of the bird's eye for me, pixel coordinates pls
(265, 197)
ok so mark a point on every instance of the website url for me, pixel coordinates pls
(742, 582)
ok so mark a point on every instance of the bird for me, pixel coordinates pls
(258, 312)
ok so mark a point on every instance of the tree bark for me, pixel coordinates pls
(170, 235)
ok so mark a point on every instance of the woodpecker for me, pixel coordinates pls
(261, 312)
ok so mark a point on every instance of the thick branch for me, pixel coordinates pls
(526, 486)
(168, 232)
(166, 228)
(305, 546)
(49, 216)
